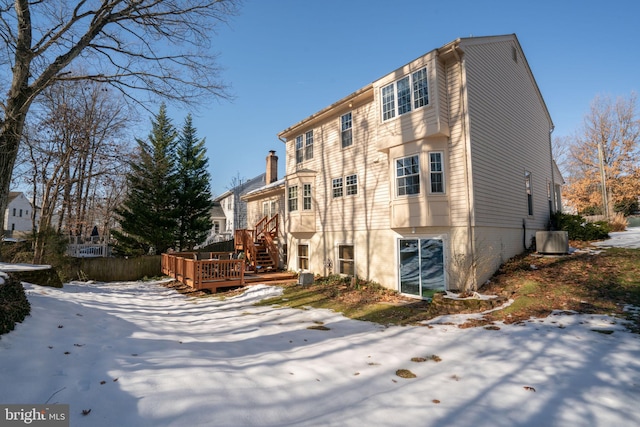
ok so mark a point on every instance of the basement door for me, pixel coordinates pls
(421, 263)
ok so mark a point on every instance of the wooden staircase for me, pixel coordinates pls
(259, 245)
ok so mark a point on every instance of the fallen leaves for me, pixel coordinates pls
(405, 373)
(433, 357)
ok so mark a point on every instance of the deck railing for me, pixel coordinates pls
(201, 270)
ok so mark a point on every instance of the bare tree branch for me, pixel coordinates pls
(161, 47)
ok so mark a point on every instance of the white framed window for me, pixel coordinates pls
(411, 92)
(336, 185)
(308, 145)
(299, 149)
(216, 227)
(306, 197)
(388, 102)
(269, 208)
(420, 88)
(403, 90)
(527, 185)
(351, 184)
(346, 130)
(293, 198)
(346, 264)
(436, 172)
(303, 257)
(342, 186)
(408, 175)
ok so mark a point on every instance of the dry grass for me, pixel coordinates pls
(586, 283)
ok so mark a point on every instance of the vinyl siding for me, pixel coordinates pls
(487, 118)
(369, 208)
(424, 122)
(509, 132)
(458, 151)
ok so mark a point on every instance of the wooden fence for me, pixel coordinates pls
(204, 270)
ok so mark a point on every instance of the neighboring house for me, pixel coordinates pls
(230, 211)
(18, 218)
(218, 226)
(428, 178)
(268, 201)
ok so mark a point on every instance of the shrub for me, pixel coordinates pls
(578, 228)
(14, 306)
(618, 222)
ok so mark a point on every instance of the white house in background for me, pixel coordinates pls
(426, 179)
(229, 212)
(18, 218)
(218, 225)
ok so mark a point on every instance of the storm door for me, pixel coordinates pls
(421, 263)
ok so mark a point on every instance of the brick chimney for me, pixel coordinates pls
(272, 168)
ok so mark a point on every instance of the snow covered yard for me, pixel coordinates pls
(140, 354)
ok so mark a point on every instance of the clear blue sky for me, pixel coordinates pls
(287, 59)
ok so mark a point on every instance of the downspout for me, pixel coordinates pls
(552, 192)
(471, 231)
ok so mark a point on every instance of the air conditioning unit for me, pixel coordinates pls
(552, 242)
(305, 278)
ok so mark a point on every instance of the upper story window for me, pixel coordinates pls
(352, 184)
(345, 186)
(336, 185)
(420, 88)
(306, 197)
(527, 185)
(269, 208)
(346, 131)
(293, 198)
(299, 149)
(308, 145)
(411, 92)
(408, 175)
(436, 172)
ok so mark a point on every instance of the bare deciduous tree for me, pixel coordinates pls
(609, 144)
(135, 46)
(75, 141)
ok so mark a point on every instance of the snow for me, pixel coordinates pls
(630, 238)
(140, 354)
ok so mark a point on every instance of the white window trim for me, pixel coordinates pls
(443, 172)
(303, 243)
(304, 197)
(445, 258)
(342, 131)
(412, 107)
(289, 199)
(528, 188)
(337, 251)
(395, 176)
(343, 186)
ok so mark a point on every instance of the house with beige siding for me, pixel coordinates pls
(428, 178)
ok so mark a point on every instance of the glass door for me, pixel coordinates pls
(421, 263)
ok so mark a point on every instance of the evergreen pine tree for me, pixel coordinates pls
(148, 216)
(194, 199)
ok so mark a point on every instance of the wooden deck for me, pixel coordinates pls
(207, 270)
